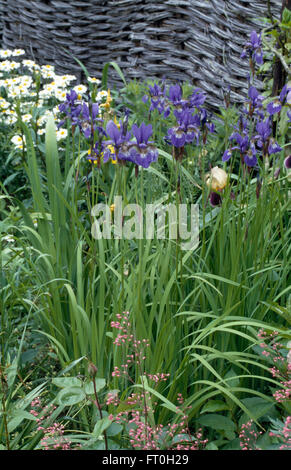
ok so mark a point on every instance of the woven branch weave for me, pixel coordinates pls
(192, 40)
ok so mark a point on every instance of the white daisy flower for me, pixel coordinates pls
(61, 94)
(5, 65)
(56, 110)
(26, 117)
(29, 63)
(14, 65)
(62, 134)
(10, 121)
(47, 68)
(18, 141)
(41, 121)
(102, 94)
(49, 74)
(4, 104)
(94, 80)
(5, 53)
(80, 89)
(18, 52)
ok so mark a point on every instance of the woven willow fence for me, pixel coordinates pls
(192, 40)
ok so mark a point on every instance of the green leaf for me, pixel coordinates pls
(17, 418)
(105, 73)
(211, 446)
(65, 382)
(70, 396)
(101, 426)
(114, 429)
(258, 406)
(286, 16)
(232, 445)
(71, 365)
(214, 405)
(12, 372)
(232, 381)
(89, 387)
(217, 422)
(284, 122)
(282, 311)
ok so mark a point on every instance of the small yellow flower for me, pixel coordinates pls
(112, 151)
(112, 207)
(216, 179)
(107, 104)
(116, 122)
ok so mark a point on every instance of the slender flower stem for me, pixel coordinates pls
(3, 387)
(100, 411)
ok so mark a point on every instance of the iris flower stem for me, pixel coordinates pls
(203, 248)
(140, 250)
(78, 170)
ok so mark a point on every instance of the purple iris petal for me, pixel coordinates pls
(114, 133)
(253, 48)
(167, 112)
(285, 90)
(85, 112)
(60, 124)
(197, 98)
(142, 133)
(287, 162)
(263, 129)
(176, 136)
(274, 107)
(242, 141)
(255, 97)
(71, 97)
(210, 126)
(250, 159)
(226, 156)
(95, 111)
(258, 56)
(142, 152)
(274, 147)
(155, 90)
(86, 129)
(146, 156)
(175, 94)
(106, 155)
(215, 199)
(157, 98)
(255, 40)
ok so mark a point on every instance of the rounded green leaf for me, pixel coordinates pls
(70, 396)
(65, 382)
(89, 387)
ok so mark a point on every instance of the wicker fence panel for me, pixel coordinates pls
(1, 21)
(193, 40)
